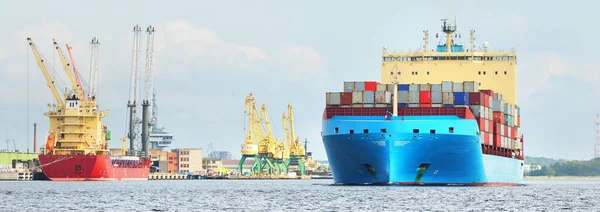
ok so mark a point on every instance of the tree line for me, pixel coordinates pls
(564, 168)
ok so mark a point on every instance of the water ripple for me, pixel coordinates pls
(287, 195)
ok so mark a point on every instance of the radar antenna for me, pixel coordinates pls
(448, 29)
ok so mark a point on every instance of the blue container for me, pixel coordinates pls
(403, 87)
(402, 105)
(518, 111)
(461, 98)
(447, 105)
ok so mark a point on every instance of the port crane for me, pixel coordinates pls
(94, 66)
(134, 120)
(276, 152)
(253, 134)
(296, 151)
(147, 122)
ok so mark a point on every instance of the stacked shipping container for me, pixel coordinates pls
(498, 121)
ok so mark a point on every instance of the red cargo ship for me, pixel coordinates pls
(94, 168)
(77, 144)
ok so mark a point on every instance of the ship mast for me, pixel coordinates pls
(394, 74)
(448, 29)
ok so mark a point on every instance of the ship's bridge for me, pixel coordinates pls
(454, 48)
(496, 70)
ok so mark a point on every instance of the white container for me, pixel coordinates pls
(381, 87)
(368, 97)
(413, 97)
(446, 86)
(448, 98)
(457, 87)
(425, 87)
(509, 132)
(357, 97)
(413, 87)
(436, 105)
(348, 86)
(470, 86)
(436, 97)
(491, 138)
(402, 96)
(436, 87)
(333, 98)
(383, 97)
(359, 86)
(413, 105)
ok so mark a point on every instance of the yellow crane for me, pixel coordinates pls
(267, 146)
(279, 150)
(296, 150)
(67, 66)
(253, 135)
(41, 63)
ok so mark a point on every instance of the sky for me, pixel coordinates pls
(210, 54)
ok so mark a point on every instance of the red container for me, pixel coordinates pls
(505, 128)
(491, 125)
(488, 92)
(476, 98)
(346, 98)
(513, 134)
(496, 129)
(425, 105)
(486, 100)
(424, 97)
(481, 123)
(518, 122)
(498, 117)
(371, 86)
(487, 138)
(497, 140)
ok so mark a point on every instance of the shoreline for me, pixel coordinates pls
(537, 178)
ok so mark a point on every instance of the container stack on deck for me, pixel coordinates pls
(498, 121)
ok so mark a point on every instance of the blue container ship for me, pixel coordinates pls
(443, 116)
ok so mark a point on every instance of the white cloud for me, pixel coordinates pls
(299, 61)
(182, 42)
(200, 45)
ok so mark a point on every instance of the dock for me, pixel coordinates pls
(15, 175)
(167, 176)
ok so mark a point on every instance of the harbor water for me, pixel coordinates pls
(292, 195)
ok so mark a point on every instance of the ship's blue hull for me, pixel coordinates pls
(446, 150)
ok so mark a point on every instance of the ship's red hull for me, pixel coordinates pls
(92, 168)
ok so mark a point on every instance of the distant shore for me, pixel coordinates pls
(561, 178)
